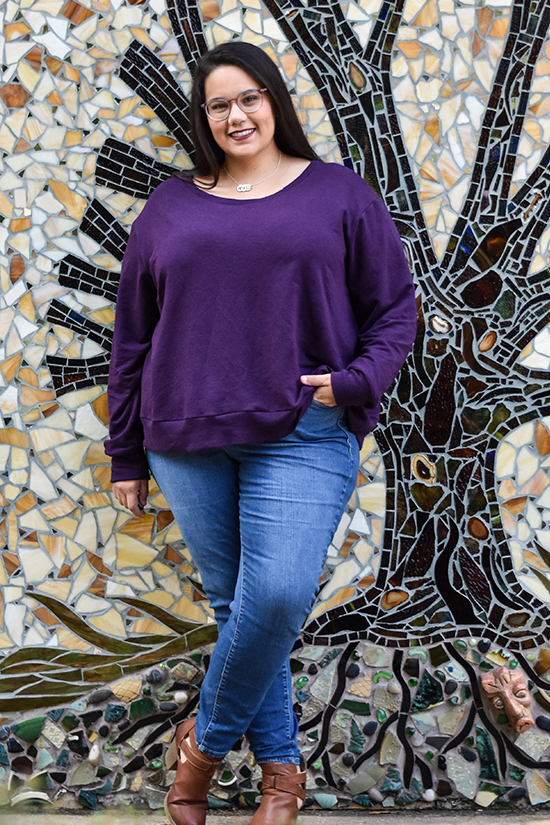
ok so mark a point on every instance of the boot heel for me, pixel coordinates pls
(283, 794)
(167, 812)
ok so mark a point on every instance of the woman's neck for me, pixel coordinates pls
(252, 170)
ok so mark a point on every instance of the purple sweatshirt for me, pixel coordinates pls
(224, 304)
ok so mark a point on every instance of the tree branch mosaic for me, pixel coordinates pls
(439, 572)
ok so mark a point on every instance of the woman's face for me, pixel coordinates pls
(242, 136)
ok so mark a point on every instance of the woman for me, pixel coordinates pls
(265, 305)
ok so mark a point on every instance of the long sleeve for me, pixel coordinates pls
(382, 296)
(136, 317)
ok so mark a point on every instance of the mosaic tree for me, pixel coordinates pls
(446, 565)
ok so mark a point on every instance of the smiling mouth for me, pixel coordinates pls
(243, 133)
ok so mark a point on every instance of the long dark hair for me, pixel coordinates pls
(289, 136)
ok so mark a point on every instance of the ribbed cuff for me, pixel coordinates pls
(129, 468)
(351, 389)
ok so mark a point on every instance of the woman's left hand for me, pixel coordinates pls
(323, 393)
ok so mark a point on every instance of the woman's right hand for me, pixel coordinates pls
(132, 494)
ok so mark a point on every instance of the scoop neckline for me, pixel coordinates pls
(204, 194)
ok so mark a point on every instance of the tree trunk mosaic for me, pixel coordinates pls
(422, 676)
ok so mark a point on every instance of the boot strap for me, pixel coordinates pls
(194, 756)
(289, 783)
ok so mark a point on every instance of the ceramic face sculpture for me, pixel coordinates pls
(508, 692)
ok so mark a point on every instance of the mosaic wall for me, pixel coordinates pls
(422, 675)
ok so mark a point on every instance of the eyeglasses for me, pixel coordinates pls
(250, 101)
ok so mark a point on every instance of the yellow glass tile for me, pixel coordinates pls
(74, 203)
(7, 140)
(58, 589)
(535, 561)
(30, 396)
(55, 98)
(188, 610)
(73, 138)
(146, 625)
(11, 492)
(36, 564)
(71, 641)
(6, 317)
(26, 307)
(126, 105)
(450, 172)
(410, 49)
(84, 479)
(26, 502)
(14, 30)
(86, 535)
(102, 476)
(19, 476)
(43, 438)
(103, 316)
(74, 550)
(20, 224)
(431, 211)
(106, 519)
(209, 9)
(61, 507)
(143, 37)
(161, 569)
(33, 129)
(13, 532)
(93, 500)
(5, 640)
(122, 516)
(140, 528)
(6, 206)
(66, 525)
(340, 597)
(71, 454)
(84, 576)
(160, 597)
(527, 465)
(135, 132)
(137, 783)
(311, 101)
(110, 622)
(376, 531)
(494, 50)
(132, 553)
(172, 534)
(542, 68)
(55, 546)
(158, 500)
(428, 16)
(33, 520)
(508, 522)
(499, 27)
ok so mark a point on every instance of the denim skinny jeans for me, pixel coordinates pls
(258, 519)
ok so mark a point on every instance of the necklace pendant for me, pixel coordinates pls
(244, 187)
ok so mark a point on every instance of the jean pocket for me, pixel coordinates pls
(320, 406)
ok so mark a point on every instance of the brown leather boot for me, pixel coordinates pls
(283, 794)
(186, 803)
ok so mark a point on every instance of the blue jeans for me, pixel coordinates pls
(258, 519)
